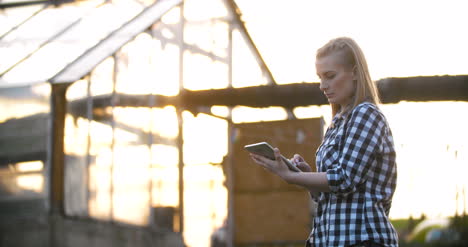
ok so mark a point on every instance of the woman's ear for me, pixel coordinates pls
(355, 72)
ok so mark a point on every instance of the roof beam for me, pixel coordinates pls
(241, 25)
(392, 90)
(19, 3)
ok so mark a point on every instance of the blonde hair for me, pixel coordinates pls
(353, 58)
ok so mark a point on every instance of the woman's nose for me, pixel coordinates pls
(323, 85)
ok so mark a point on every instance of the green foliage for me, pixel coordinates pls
(453, 235)
(460, 225)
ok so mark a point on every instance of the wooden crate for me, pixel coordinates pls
(272, 217)
(265, 208)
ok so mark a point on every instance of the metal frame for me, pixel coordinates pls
(32, 2)
(84, 64)
(232, 6)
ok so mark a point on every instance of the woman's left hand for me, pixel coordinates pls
(276, 166)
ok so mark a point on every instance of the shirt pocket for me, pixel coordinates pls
(330, 153)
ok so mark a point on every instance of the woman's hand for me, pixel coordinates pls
(304, 167)
(276, 166)
(300, 163)
(313, 181)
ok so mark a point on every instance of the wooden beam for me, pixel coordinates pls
(392, 90)
(57, 175)
(424, 88)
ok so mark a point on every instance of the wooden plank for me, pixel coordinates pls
(272, 217)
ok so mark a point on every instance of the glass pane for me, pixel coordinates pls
(102, 78)
(165, 123)
(249, 114)
(131, 170)
(171, 17)
(199, 10)
(23, 180)
(12, 17)
(140, 63)
(211, 37)
(100, 185)
(164, 67)
(201, 146)
(24, 123)
(165, 186)
(165, 158)
(28, 37)
(131, 180)
(20, 102)
(75, 41)
(76, 174)
(76, 148)
(202, 217)
(24, 147)
(206, 63)
(246, 71)
(201, 72)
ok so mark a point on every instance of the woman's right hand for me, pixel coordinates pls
(304, 167)
(300, 163)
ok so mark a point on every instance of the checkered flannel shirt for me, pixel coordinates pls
(358, 155)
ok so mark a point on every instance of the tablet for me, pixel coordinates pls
(266, 150)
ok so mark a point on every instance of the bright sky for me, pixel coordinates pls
(400, 38)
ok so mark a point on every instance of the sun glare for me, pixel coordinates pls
(30, 166)
(31, 182)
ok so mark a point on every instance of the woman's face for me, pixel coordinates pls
(336, 80)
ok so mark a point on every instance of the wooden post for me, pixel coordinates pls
(58, 109)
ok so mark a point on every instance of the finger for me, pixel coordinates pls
(298, 158)
(303, 166)
(255, 158)
(277, 154)
(258, 159)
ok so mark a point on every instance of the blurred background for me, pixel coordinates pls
(122, 122)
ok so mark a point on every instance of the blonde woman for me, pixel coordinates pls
(356, 169)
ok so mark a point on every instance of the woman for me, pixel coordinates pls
(356, 169)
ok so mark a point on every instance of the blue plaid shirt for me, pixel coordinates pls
(358, 155)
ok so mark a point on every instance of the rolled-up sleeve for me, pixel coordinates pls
(362, 140)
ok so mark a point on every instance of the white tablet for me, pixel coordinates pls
(266, 150)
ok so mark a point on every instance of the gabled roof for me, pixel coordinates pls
(108, 46)
(49, 54)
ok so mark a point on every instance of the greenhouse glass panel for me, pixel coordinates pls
(24, 149)
(13, 17)
(36, 32)
(97, 24)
